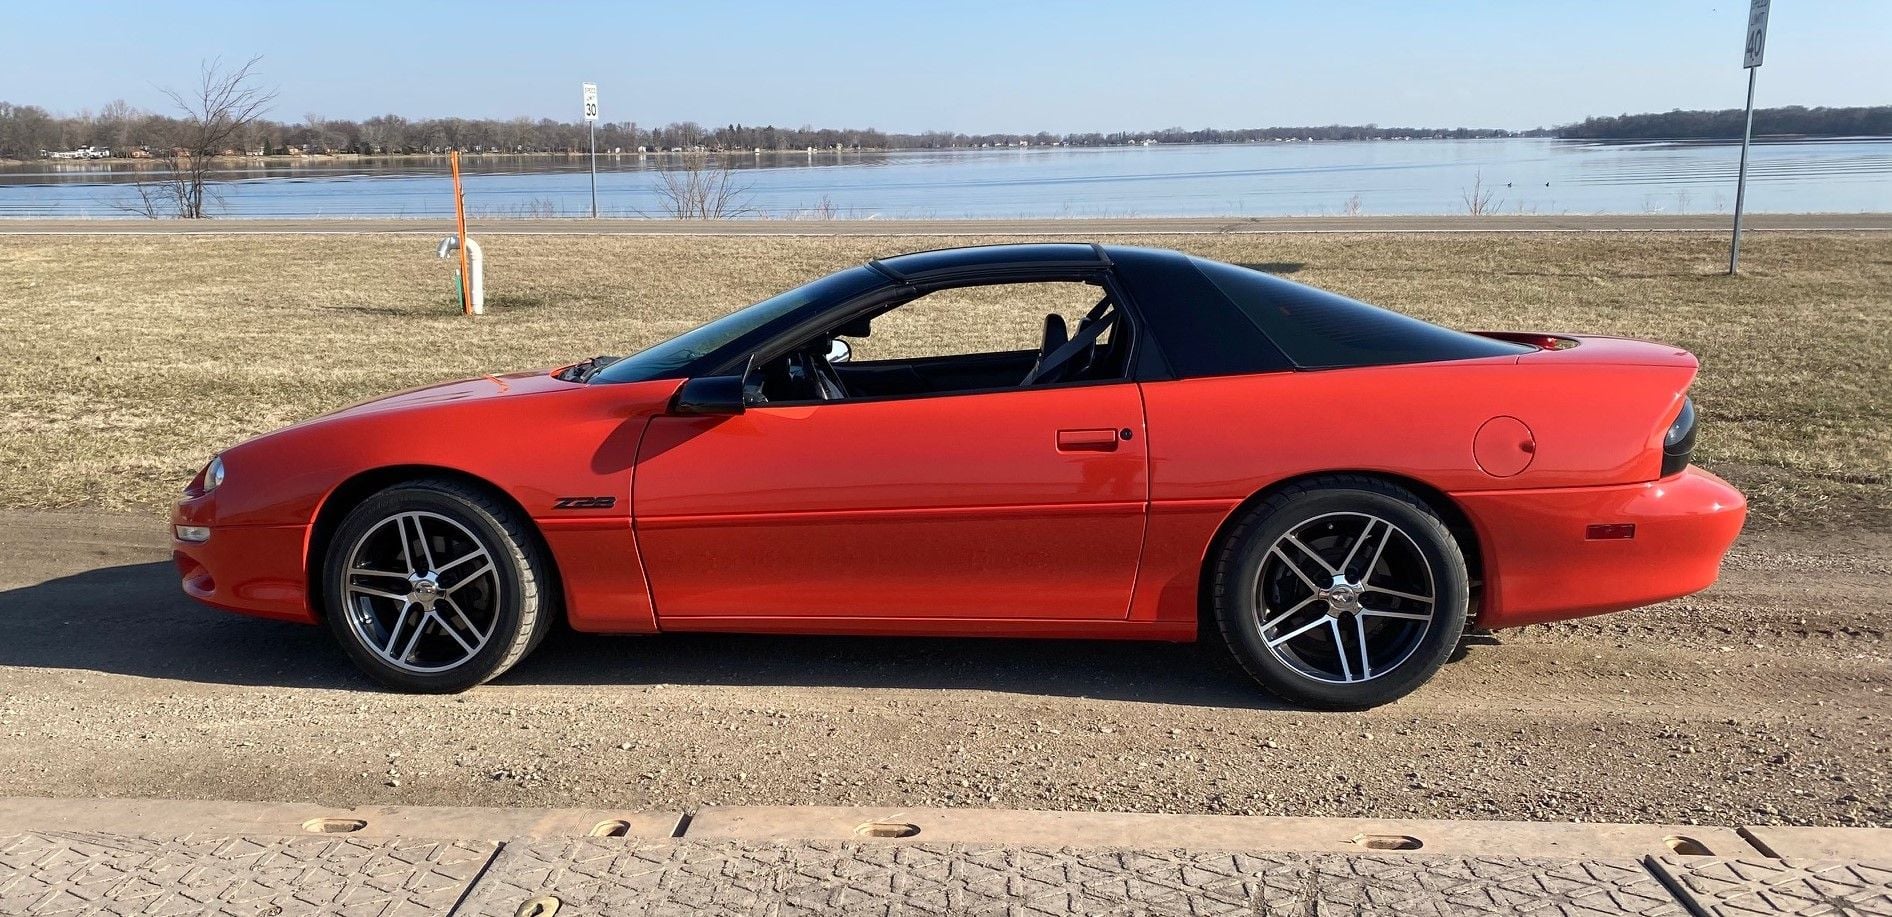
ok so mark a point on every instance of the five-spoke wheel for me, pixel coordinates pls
(431, 586)
(422, 592)
(1344, 592)
(1344, 597)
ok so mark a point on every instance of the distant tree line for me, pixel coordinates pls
(28, 131)
(1875, 121)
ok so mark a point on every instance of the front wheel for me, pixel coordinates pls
(1341, 593)
(434, 587)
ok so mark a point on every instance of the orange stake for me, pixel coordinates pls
(459, 216)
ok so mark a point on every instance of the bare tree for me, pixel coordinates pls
(316, 132)
(703, 187)
(1479, 200)
(150, 199)
(115, 124)
(218, 113)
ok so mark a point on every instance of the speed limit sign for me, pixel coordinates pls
(591, 101)
(1756, 34)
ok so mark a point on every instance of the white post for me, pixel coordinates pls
(476, 291)
(476, 265)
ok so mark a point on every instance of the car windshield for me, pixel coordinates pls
(738, 331)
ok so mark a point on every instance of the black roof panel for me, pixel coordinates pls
(977, 258)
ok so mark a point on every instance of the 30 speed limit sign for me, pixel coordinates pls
(591, 101)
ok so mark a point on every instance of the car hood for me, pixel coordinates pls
(458, 391)
(429, 397)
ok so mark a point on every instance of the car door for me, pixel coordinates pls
(1021, 504)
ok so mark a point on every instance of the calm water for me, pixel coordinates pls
(1387, 177)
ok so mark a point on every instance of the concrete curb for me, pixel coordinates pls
(1782, 842)
(111, 857)
(950, 826)
(1230, 832)
(20, 815)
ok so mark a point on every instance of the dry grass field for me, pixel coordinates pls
(126, 361)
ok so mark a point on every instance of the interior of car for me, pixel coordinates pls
(1087, 346)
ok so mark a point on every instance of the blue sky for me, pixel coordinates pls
(1058, 65)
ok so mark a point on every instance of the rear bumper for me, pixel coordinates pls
(249, 569)
(1541, 566)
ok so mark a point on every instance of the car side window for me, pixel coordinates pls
(975, 338)
(986, 319)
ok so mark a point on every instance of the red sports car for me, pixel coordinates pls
(1180, 446)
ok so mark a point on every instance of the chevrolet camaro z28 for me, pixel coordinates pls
(1336, 491)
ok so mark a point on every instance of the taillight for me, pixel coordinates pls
(1678, 445)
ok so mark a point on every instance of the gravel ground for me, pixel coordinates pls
(1761, 701)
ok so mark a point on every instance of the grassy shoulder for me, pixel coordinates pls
(126, 361)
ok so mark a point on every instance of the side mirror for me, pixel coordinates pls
(839, 351)
(709, 395)
(720, 394)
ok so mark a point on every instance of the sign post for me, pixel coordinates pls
(591, 128)
(1751, 59)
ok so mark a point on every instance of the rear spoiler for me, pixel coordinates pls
(1596, 349)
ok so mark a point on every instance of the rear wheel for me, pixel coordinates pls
(434, 587)
(1342, 593)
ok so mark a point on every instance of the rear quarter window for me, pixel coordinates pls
(1321, 330)
(1197, 332)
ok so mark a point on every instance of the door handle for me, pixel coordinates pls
(1087, 440)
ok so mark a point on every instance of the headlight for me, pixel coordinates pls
(213, 474)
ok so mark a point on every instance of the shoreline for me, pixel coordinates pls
(279, 158)
(1098, 226)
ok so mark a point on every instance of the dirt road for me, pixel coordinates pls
(1762, 701)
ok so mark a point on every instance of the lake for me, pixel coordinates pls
(1259, 179)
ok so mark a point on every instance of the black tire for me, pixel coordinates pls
(517, 603)
(1334, 504)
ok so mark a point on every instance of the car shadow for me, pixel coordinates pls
(133, 620)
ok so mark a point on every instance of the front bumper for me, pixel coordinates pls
(1541, 565)
(249, 569)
